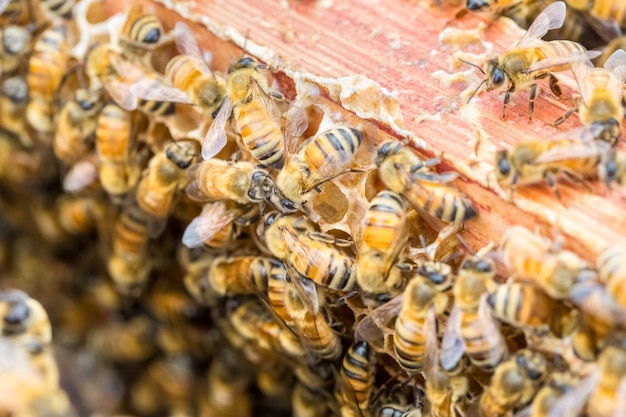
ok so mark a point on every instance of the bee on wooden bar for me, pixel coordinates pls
(574, 153)
(602, 90)
(533, 59)
(404, 172)
(190, 73)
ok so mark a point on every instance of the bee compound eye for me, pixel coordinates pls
(498, 77)
(504, 168)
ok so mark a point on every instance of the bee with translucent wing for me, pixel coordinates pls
(533, 59)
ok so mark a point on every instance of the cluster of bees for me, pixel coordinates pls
(168, 218)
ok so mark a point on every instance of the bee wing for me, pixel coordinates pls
(552, 17)
(193, 189)
(130, 72)
(306, 289)
(580, 70)
(215, 139)
(371, 327)
(452, 344)
(214, 217)
(296, 123)
(562, 60)
(593, 299)
(153, 89)
(266, 103)
(572, 403)
(616, 64)
(121, 94)
(187, 44)
(575, 150)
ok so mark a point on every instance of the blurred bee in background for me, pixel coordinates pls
(163, 178)
(320, 159)
(533, 59)
(404, 172)
(471, 328)
(383, 234)
(514, 384)
(557, 385)
(215, 179)
(131, 85)
(80, 215)
(141, 31)
(46, 69)
(15, 44)
(602, 90)
(356, 380)
(24, 319)
(526, 306)
(257, 117)
(190, 73)
(533, 258)
(607, 17)
(309, 258)
(308, 402)
(574, 153)
(227, 392)
(241, 275)
(13, 100)
(76, 126)
(614, 45)
(611, 265)
(124, 342)
(115, 148)
(129, 265)
(401, 403)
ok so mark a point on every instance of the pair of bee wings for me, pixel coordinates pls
(552, 17)
(574, 144)
(615, 66)
(213, 218)
(136, 82)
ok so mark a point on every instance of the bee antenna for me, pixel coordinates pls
(472, 64)
(476, 91)
(465, 244)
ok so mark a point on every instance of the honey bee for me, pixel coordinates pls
(308, 402)
(444, 392)
(165, 175)
(46, 69)
(611, 267)
(573, 153)
(216, 179)
(309, 260)
(556, 386)
(130, 342)
(404, 172)
(174, 376)
(533, 59)
(526, 306)
(532, 258)
(219, 224)
(256, 115)
(114, 147)
(471, 328)
(76, 126)
(383, 236)
(313, 328)
(356, 379)
(612, 167)
(601, 90)
(601, 391)
(15, 43)
(227, 389)
(60, 8)
(79, 215)
(514, 384)
(13, 99)
(190, 73)
(320, 159)
(401, 403)
(240, 275)
(611, 15)
(276, 292)
(131, 85)
(24, 319)
(140, 30)
(129, 265)
(258, 326)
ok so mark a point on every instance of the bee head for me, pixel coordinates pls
(245, 62)
(495, 75)
(386, 149)
(503, 165)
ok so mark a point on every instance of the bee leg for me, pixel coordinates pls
(277, 96)
(552, 184)
(507, 98)
(531, 102)
(566, 116)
